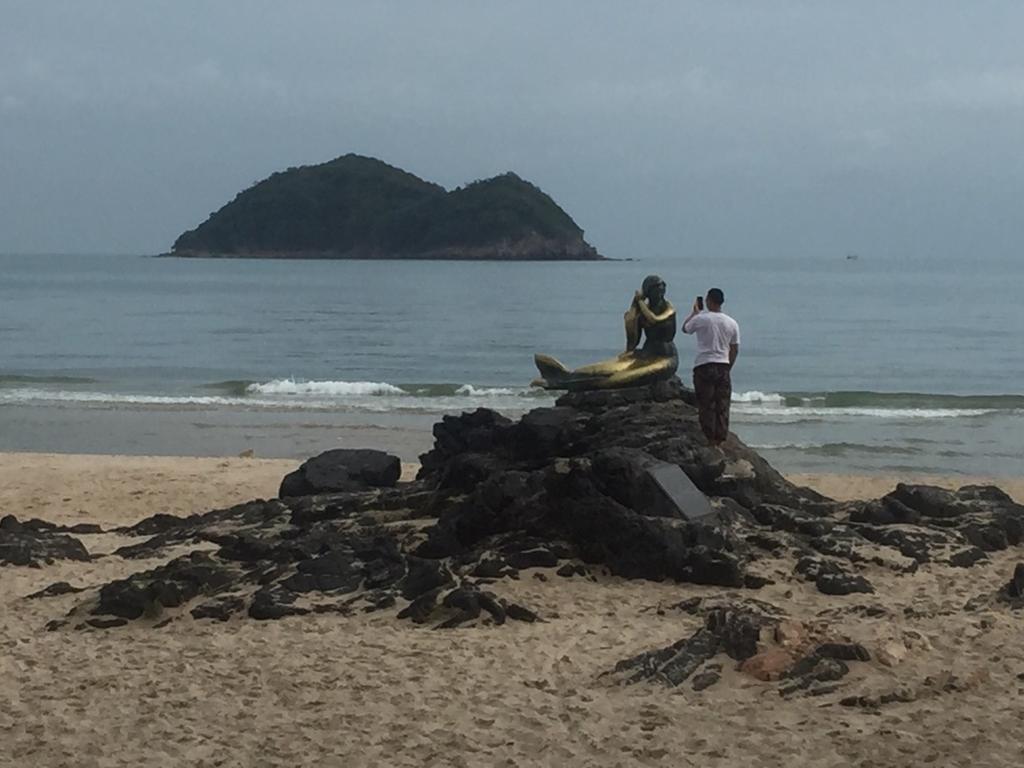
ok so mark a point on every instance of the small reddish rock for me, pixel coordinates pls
(768, 665)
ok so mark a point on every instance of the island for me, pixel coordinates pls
(357, 207)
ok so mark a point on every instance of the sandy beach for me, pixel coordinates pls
(372, 690)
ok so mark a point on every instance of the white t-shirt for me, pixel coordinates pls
(715, 332)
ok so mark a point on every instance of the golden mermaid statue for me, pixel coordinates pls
(650, 314)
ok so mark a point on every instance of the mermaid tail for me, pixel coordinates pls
(627, 370)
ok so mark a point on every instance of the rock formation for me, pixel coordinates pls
(566, 487)
(36, 542)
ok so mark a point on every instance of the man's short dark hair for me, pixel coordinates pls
(716, 295)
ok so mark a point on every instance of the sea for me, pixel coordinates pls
(847, 365)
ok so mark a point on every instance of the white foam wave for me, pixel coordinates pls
(65, 396)
(468, 390)
(784, 446)
(755, 396)
(328, 388)
(289, 394)
(790, 412)
(375, 399)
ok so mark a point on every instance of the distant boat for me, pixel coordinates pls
(852, 257)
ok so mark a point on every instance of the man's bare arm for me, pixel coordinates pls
(694, 311)
(734, 352)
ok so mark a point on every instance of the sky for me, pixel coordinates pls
(677, 129)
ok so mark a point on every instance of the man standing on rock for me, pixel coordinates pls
(718, 344)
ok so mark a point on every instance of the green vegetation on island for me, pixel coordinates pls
(358, 207)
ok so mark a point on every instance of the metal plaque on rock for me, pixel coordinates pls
(675, 495)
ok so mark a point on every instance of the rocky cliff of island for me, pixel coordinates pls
(357, 207)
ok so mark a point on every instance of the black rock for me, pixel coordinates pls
(1015, 588)
(342, 469)
(493, 568)
(567, 571)
(424, 576)
(272, 603)
(220, 609)
(547, 431)
(639, 481)
(420, 609)
(158, 523)
(84, 528)
(842, 584)
(843, 651)
(888, 511)
(967, 558)
(733, 630)
(521, 613)
(490, 603)
(168, 586)
(915, 544)
(786, 519)
(705, 680)
(574, 482)
(984, 493)
(335, 571)
(811, 670)
(476, 434)
(738, 630)
(55, 589)
(21, 544)
(10, 524)
(928, 500)
(812, 567)
(533, 558)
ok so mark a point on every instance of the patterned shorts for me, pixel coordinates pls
(712, 385)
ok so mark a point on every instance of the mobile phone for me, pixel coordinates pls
(700, 303)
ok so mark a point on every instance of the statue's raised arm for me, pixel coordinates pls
(650, 315)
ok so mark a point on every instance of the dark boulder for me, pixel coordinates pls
(843, 651)
(424, 576)
(733, 630)
(967, 558)
(739, 630)
(342, 469)
(539, 557)
(10, 524)
(928, 500)
(55, 589)
(22, 543)
(890, 510)
(220, 609)
(168, 586)
(1015, 587)
(842, 584)
(274, 602)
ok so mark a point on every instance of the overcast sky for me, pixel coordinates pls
(689, 128)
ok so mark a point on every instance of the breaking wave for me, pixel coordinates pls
(800, 406)
(329, 388)
(292, 394)
(298, 394)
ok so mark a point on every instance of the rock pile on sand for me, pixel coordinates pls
(567, 488)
